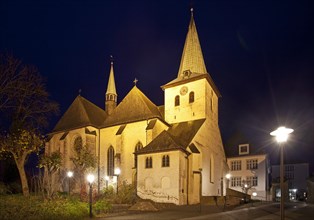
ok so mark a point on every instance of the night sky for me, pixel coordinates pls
(259, 53)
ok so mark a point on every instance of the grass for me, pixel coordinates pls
(19, 207)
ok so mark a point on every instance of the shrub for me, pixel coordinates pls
(4, 189)
(15, 187)
(126, 194)
(102, 206)
(20, 207)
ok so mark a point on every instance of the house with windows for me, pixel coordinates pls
(249, 172)
(171, 153)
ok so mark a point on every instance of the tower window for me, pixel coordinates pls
(165, 161)
(110, 161)
(177, 101)
(191, 97)
(149, 162)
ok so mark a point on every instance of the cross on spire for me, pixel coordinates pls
(135, 81)
(111, 59)
(80, 90)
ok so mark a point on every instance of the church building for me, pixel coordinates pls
(171, 153)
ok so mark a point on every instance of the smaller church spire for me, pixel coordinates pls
(111, 94)
(111, 87)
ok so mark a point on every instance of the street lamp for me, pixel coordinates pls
(69, 174)
(281, 135)
(228, 176)
(254, 194)
(117, 172)
(90, 179)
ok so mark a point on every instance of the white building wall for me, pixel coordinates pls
(261, 173)
(185, 111)
(124, 144)
(162, 184)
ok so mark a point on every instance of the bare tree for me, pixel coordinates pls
(25, 107)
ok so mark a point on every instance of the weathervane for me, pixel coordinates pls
(135, 81)
(111, 59)
(80, 90)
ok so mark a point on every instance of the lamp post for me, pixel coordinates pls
(228, 176)
(254, 194)
(69, 174)
(117, 172)
(90, 179)
(281, 135)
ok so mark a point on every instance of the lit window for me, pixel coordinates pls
(252, 180)
(191, 97)
(236, 165)
(149, 162)
(251, 164)
(165, 161)
(177, 101)
(235, 181)
(110, 161)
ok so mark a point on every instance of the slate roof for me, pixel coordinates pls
(111, 87)
(177, 137)
(81, 113)
(134, 107)
(192, 65)
(231, 145)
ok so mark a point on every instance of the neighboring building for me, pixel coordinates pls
(249, 172)
(167, 151)
(310, 190)
(295, 175)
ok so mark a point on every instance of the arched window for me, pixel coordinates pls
(149, 162)
(110, 161)
(78, 144)
(138, 146)
(177, 101)
(191, 97)
(165, 161)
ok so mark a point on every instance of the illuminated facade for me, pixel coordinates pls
(171, 153)
(249, 172)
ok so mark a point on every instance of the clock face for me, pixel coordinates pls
(183, 90)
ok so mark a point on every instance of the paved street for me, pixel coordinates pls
(268, 211)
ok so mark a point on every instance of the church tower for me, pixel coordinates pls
(193, 94)
(111, 94)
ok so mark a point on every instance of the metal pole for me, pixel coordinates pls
(282, 211)
(69, 184)
(90, 200)
(117, 183)
(200, 190)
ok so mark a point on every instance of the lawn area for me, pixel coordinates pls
(35, 207)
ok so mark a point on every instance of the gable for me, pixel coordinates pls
(81, 113)
(177, 137)
(134, 107)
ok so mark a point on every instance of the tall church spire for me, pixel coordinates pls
(111, 94)
(192, 60)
